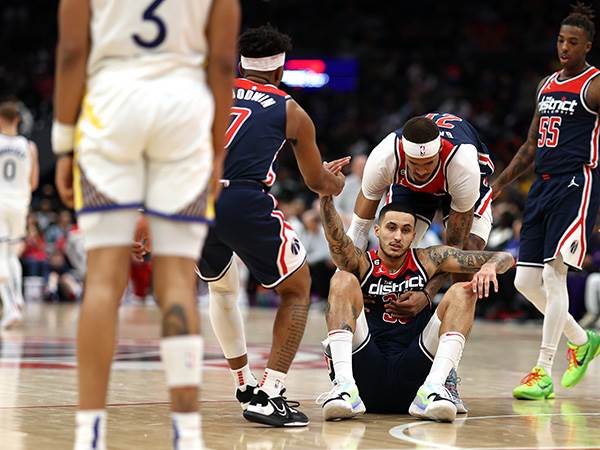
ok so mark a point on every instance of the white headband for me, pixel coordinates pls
(425, 150)
(264, 64)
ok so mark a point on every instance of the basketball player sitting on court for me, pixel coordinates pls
(390, 359)
(265, 120)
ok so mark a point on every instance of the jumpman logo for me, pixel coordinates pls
(572, 183)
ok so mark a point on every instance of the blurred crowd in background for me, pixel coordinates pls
(479, 60)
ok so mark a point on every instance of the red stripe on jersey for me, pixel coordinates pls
(572, 85)
(268, 89)
(594, 147)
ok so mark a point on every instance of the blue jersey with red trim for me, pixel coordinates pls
(568, 129)
(256, 133)
(381, 285)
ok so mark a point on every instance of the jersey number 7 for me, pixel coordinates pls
(238, 118)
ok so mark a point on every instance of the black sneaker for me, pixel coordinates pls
(274, 411)
(245, 396)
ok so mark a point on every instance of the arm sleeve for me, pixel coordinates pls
(358, 231)
(463, 177)
(380, 168)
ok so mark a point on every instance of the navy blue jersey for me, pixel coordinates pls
(257, 132)
(568, 130)
(455, 130)
(391, 335)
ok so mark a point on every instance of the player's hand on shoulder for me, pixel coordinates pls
(480, 284)
(64, 179)
(408, 305)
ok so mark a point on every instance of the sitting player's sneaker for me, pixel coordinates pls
(433, 402)
(536, 385)
(244, 395)
(451, 384)
(274, 411)
(341, 402)
(579, 357)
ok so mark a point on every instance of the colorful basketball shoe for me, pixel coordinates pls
(341, 402)
(536, 385)
(579, 357)
(433, 402)
(451, 384)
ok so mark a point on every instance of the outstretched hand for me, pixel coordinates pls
(335, 168)
(480, 284)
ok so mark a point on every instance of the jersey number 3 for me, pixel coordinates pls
(238, 117)
(549, 131)
(161, 32)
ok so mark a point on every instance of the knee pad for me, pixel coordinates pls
(182, 360)
(227, 285)
(527, 279)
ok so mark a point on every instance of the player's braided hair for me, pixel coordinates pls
(264, 41)
(582, 16)
(420, 130)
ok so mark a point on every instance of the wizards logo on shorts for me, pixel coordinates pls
(295, 246)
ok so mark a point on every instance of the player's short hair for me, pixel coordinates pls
(581, 16)
(264, 41)
(420, 130)
(402, 207)
(9, 110)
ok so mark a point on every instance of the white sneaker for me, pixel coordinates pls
(433, 402)
(341, 402)
(11, 317)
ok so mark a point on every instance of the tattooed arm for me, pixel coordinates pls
(485, 265)
(458, 227)
(346, 256)
(524, 157)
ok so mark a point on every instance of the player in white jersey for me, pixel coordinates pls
(19, 171)
(148, 84)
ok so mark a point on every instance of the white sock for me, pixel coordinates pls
(243, 376)
(529, 282)
(273, 382)
(187, 430)
(90, 429)
(340, 344)
(557, 309)
(447, 356)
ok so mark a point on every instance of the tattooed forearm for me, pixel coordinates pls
(346, 256)
(458, 227)
(462, 261)
(435, 284)
(175, 322)
(522, 161)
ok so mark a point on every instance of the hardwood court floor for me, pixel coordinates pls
(38, 393)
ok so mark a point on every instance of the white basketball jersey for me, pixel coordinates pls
(152, 36)
(15, 171)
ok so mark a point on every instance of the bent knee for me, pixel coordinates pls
(342, 281)
(461, 292)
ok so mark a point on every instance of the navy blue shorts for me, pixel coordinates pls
(248, 223)
(559, 218)
(388, 383)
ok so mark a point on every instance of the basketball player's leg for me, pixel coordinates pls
(344, 315)
(444, 337)
(6, 293)
(219, 268)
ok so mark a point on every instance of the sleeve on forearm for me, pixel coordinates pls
(463, 177)
(358, 231)
(379, 169)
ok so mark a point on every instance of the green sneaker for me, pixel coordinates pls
(579, 357)
(536, 385)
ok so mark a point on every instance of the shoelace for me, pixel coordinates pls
(572, 358)
(290, 403)
(531, 378)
